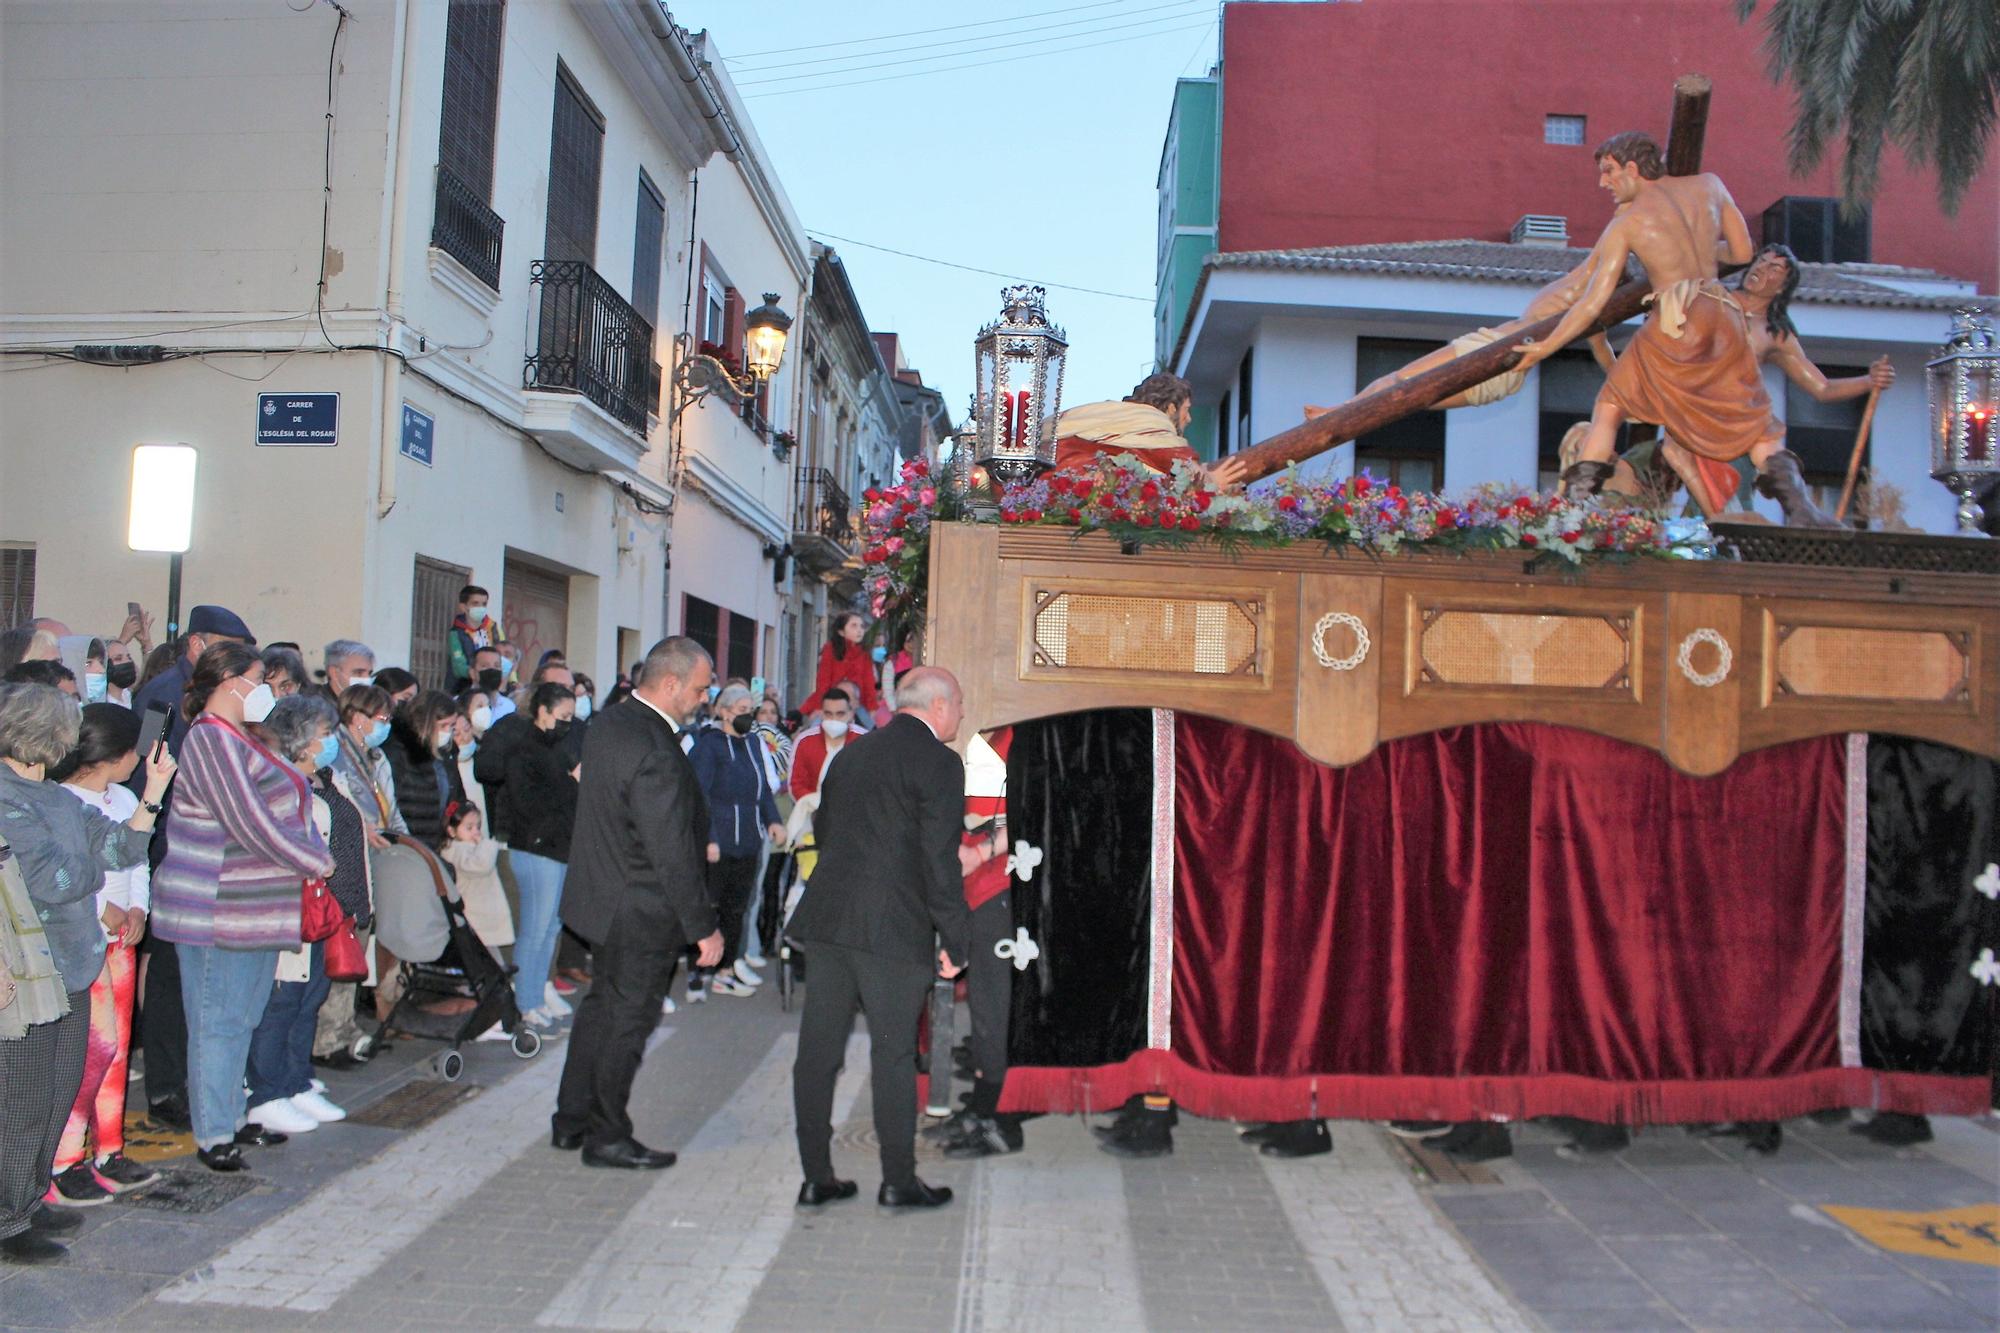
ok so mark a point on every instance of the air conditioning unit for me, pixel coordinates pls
(1540, 229)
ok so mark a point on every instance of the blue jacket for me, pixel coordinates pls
(731, 773)
(64, 848)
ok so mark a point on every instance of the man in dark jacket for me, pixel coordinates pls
(637, 891)
(888, 883)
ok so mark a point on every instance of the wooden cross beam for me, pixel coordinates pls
(1392, 403)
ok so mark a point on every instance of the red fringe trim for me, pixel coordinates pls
(1500, 1097)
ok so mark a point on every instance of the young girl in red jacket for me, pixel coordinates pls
(846, 663)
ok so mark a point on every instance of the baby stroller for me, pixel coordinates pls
(440, 956)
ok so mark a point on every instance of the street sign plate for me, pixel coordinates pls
(417, 435)
(298, 419)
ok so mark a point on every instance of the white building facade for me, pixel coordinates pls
(451, 244)
(1271, 333)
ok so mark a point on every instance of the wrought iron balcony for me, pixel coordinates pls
(466, 229)
(590, 341)
(822, 522)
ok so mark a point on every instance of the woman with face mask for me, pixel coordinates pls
(423, 761)
(121, 673)
(240, 844)
(540, 793)
(729, 764)
(84, 656)
(362, 772)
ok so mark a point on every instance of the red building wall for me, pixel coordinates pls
(1407, 120)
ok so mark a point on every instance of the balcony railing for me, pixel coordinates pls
(754, 419)
(823, 508)
(466, 229)
(589, 340)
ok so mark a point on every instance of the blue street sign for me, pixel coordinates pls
(416, 435)
(298, 418)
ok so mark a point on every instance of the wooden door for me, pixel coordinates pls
(433, 603)
(534, 607)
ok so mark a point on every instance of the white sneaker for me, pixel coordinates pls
(747, 974)
(543, 1024)
(319, 1085)
(281, 1115)
(725, 983)
(696, 993)
(318, 1107)
(494, 1033)
(553, 1001)
(667, 1006)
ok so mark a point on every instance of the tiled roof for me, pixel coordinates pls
(1499, 261)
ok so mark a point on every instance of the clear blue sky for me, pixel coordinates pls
(1043, 166)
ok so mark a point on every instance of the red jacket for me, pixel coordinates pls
(808, 758)
(856, 671)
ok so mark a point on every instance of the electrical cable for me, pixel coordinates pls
(973, 42)
(978, 64)
(326, 179)
(989, 272)
(921, 32)
(1002, 46)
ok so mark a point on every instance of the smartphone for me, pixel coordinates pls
(151, 728)
(132, 610)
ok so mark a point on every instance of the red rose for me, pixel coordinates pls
(1144, 520)
(1528, 539)
(1288, 503)
(1075, 515)
(871, 494)
(1572, 536)
(1082, 492)
(1201, 500)
(898, 523)
(1034, 516)
(1150, 491)
(1361, 485)
(1190, 524)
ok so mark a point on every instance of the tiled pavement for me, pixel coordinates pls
(472, 1221)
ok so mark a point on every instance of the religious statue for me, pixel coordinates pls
(1692, 368)
(1147, 424)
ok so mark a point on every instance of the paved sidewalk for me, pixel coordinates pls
(468, 1219)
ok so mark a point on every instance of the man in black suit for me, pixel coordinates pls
(637, 891)
(888, 883)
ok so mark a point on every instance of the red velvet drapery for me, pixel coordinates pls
(1505, 920)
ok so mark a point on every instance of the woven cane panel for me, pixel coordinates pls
(1159, 635)
(1501, 648)
(1849, 663)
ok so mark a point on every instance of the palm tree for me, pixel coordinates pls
(1924, 74)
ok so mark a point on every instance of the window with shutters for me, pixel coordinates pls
(472, 43)
(576, 161)
(17, 585)
(433, 602)
(649, 235)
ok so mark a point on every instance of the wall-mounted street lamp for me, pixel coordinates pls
(162, 512)
(699, 375)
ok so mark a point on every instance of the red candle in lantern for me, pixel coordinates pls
(1978, 434)
(1021, 423)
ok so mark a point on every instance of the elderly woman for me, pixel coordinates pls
(729, 764)
(240, 845)
(363, 773)
(282, 1097)
(62, 849)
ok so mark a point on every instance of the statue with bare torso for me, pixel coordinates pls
(1692, 368)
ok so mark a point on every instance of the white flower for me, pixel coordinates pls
(1987, 968)
(1988, 882)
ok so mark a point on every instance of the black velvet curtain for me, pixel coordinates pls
(1933, 828)
(1080, 787)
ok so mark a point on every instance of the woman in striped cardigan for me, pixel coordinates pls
(240, 844)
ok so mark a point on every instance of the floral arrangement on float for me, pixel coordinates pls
(1139, 507)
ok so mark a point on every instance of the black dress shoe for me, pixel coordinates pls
(340, 1059)
(1895, 1129)
(629, 1155)
(54, 1221)
(1297, 1138)
(254, 1135)
(171, 1111)
(565, 1142)
(1474, 1141)
(224, 1157)
(816, 1192)
(26, 1247)
(916, 1194)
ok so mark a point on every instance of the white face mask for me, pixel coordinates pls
(257, 704)
(835, 729)
(444, 737)
(361, 678)
(477, 614)
(582, 707)
(482, 718)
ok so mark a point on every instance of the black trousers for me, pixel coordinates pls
(39, 1076)
(892, 993)
(163, 1033)
(729, 883)
(630, 973)
(989, 994)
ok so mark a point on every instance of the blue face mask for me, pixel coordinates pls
(713, 690)
(377, 734)
(469, 749)
(880, 654)
(329, 750)
(93, 686)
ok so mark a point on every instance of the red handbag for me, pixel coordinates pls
(345, 958)
(319, 915)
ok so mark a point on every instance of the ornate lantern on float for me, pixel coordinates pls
(1965, 402)
(1019, 359)
(965, 473)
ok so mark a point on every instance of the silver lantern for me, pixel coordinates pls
(1964, 381)
(964, 447)
(1019, 360)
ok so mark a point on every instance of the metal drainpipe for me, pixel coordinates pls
(392, 296)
